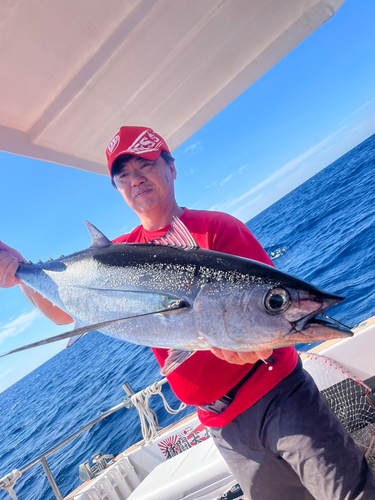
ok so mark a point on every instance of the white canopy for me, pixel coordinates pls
(74, 71)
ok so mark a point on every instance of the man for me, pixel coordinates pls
(273, 428)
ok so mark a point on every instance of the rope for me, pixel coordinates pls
(149, 419)
(8, 482)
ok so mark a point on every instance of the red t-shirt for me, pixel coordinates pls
(204, 378)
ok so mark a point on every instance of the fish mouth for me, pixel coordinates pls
(320, 322)
(307, 320)
(313, 327)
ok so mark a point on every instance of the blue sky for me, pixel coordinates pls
(310, 109)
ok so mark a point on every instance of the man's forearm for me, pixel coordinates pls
(51, 311)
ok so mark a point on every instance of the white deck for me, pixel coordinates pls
(198, 473)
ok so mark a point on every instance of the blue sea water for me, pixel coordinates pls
(323, 232)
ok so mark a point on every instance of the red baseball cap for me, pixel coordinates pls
(138, 141)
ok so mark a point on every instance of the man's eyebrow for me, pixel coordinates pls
(123, 165)
(121, 168)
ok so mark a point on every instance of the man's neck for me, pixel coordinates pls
(153, 222)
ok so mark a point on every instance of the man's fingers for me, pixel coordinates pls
(241, 358)
(9, 261)
(249, 357)
(217, 353)
(233, 357)
(8, 269)
(5, 247)
(9, 250)
(229, 356)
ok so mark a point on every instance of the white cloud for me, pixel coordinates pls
(371, 101)
(213, 184)
(310, 163)
(291, 165)
(8, 372)
(227, 179)
(18, 325)
(251, 208)
(298, 170)
(193, 147)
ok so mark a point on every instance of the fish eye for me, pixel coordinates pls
(277, 300)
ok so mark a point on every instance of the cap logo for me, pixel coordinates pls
(113, 144)
(147, 142)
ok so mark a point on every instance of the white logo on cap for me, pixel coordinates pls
(146, 143)
(113, 144)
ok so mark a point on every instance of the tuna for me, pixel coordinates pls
(173, 294)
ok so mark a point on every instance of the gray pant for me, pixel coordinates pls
(290, 446)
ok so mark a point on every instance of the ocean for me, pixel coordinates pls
(323, 232)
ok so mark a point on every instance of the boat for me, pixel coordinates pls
(181, 460)
(215, 51)
(199, 472)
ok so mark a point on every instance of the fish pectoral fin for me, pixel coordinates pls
(178, 304)
(74, 339)
(175, 359)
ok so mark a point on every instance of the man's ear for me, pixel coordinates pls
(172, 166)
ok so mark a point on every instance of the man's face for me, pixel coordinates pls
(147, 186)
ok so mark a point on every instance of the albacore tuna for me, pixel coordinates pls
(172, 294)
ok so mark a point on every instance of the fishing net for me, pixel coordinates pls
(350, 398)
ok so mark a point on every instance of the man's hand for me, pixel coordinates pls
(9, 262)
(241, 358)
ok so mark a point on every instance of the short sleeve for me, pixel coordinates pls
(234, 237)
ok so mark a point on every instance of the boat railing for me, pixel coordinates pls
(8, 482)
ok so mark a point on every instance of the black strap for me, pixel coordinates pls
(223, 403)
(232, 393)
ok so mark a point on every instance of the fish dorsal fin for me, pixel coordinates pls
(178, 236)
(99, 240)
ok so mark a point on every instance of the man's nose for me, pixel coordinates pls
(137, 178)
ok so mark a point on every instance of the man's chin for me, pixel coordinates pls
(144, 206)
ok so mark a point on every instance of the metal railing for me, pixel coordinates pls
(8, 482)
